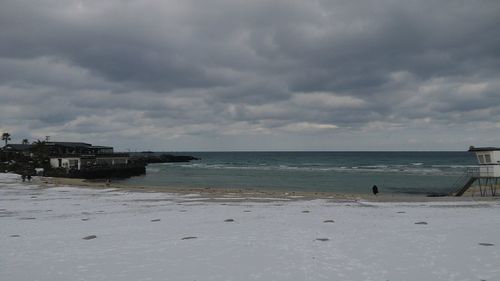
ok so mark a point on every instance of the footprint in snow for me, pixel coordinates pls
(306, 211)
(189, 238)
(155, 220)
(229, 220)
(90, 237)
(486, 244)
(329, 221)
(322, 239)
(421, 222)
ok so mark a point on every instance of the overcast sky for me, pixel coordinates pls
(180, 75)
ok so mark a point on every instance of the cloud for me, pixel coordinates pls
(308, 127)
(187, 73)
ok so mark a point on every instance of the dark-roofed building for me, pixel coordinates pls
(74, 159)
(63, 148)
(78, 155)
(24, 149)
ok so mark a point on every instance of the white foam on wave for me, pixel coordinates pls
(412, 168)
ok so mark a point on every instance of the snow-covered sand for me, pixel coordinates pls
(162, 236)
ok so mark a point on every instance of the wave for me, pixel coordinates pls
(411, 168)
(153, 170)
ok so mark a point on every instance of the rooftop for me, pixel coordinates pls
(489, 148)
(17, 147)
(69, 144)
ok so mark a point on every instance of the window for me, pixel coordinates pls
(73, 164)
(487, 158)
(480, 157)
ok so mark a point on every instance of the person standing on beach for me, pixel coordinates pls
(375, 190)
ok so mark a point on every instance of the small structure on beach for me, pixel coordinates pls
(487, 174)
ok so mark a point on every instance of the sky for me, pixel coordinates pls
(185, 75)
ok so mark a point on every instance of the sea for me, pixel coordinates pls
(426, 173)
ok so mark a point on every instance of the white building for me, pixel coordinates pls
(68, 163)
(489, 161)
(78, 156)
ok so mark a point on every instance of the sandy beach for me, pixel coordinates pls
(255, 193)
(53, 230)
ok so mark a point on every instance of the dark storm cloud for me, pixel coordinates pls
(175, 69)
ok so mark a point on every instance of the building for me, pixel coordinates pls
(489, 161)
(79, 155)
(79, 159)
(80, 148)
(21, 149)
(487, 175)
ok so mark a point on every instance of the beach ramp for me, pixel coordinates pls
(466, 186)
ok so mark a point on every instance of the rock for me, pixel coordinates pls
(247, 211)
(322, 239)
(329, 221)
(90, 237)
(15, 236)
(155, 220)
(168, 158)
(401, 212)
(306, 211)
(85, 219)
(421, 222)
(229, 220)
(189, 237)
(486, 244)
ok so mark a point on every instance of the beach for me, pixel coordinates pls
(245, 194)
(63, 229)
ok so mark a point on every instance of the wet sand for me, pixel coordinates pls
(257, 194)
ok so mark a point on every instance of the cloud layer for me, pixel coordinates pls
(230, 75)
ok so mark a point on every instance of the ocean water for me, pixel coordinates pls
(349, 172)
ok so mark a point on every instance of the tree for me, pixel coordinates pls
(40, 152)
(6, 137)
(25, 141)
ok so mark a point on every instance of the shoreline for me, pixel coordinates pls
(238, 194)
(58, 233)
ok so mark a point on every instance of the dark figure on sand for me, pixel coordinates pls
(375, 190)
